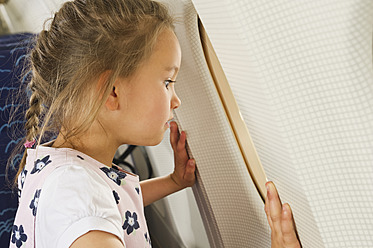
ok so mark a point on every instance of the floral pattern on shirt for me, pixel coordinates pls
(18, 236)
(116, 196)
(114, 174)
(80, 157)
(23, 177)
(19, 195)
(34, 203)
(40, 164)
(131, 223)
(147, 238)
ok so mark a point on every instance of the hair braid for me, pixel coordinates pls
(32, 116)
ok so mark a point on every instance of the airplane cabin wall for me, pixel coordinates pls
(301, 72)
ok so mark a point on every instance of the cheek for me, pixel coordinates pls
(160, 105)
(150, 104)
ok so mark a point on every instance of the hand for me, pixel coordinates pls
(183, 174)
(280, 219)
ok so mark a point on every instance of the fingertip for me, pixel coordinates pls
(190, 170)
(286, 206)
(271, 189)
(289, 231)
(191, 162)
(268, 182)
(286, 211)
(268, 187)
(182, 138)
(183, 133)
(173, 126)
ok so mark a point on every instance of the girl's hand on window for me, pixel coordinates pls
(183, 174)
(280, 219)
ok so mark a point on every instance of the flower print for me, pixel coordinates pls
(116, 196)
(137, 190)
(34, 203)
(114, 175)
(80, 157)
(147, 238)
(18, 236)
(23, 177)
(131, 222)
(19, 195)
(40, 164)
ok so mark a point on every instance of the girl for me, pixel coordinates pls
(103, 75)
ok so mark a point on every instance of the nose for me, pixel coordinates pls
(175, 101)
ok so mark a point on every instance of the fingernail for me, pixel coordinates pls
(267, 186)
(191, 162)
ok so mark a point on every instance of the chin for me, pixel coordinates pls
(156, 141)
(150, 141)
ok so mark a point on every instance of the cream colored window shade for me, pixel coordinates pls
(237, 123)
(301, 73)
(229, 202)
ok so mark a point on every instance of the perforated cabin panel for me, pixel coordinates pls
(228, 189)
(301, 72)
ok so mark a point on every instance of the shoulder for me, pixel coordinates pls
(75, 171)
(74, 199)
(75, 179)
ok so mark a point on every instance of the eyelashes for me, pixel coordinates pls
(168, 82)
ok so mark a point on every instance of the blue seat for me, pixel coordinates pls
(13, 54)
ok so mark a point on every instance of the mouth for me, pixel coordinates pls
(169, 121)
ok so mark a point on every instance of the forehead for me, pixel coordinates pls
(167, 51)
(164, 60)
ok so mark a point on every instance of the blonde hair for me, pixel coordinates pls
(85, 39)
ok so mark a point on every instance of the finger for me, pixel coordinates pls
(181, 142)
(174, 135)
(274, 207)
(288, 228)
(181, 154)
(189, 175)
(266, 209)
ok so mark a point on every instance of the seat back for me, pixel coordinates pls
(13, 54)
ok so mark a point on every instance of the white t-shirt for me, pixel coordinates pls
(64, 194)
(78, 200)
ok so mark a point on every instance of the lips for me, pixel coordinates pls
(171, 119)
(168, 122)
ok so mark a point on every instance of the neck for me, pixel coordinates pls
(94, 143)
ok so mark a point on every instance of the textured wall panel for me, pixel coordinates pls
(301, 72)
(224, 179)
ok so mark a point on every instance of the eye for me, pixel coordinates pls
(167, 82)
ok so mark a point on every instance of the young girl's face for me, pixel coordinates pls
(149, 98)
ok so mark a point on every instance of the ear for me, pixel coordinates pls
(112, 102)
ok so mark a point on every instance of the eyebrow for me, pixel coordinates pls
(172, 68)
